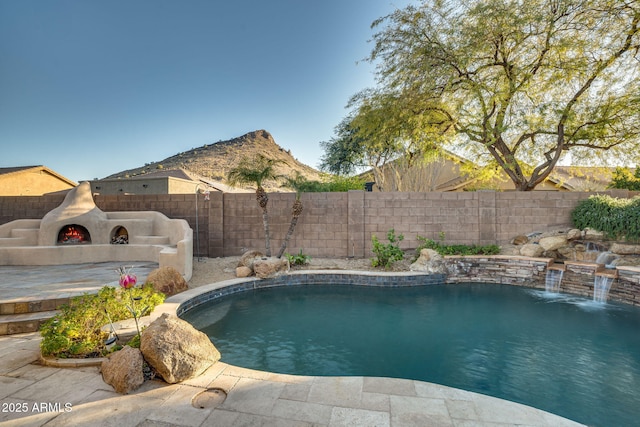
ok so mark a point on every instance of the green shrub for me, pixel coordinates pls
(444, 249)
(623, 178)
(76, 330)
(616, 218)
(333, 184)
(387, 254)
(299, 259)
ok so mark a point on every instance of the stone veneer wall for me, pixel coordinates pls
(506, 270)
(578, 277)
(338, 224)
(626, 287)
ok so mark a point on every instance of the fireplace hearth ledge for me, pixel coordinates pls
(152, 236)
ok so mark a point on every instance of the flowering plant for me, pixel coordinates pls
(128, 281)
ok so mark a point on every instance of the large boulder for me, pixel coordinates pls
(429, 261)
(247, 259)
(167, 280)
(625, 249)
(176, 350)
(270, 267)
(123, 370)
(552, 243)
(243, 271)
(531, 250)
(591, 234)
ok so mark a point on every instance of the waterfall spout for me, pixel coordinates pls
(552, 281)
(601, 286)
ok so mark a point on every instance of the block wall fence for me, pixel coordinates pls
(338, 224)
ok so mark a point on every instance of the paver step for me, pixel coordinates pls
(11, 324)
(31, 306)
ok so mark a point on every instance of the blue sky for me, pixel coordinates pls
(92, 87)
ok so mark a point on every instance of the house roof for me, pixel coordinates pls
(187, 175)
(21, 169)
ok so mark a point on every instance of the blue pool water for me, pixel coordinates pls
(564, 355)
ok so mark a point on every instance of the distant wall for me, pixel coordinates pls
(338, 224)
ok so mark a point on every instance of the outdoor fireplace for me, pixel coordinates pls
(73, 234)
(120, 236)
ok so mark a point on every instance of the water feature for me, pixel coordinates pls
(580, 363)
(601, 285)
(608, 259)
(553, 280)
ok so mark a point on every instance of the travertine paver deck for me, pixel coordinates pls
(36, 395)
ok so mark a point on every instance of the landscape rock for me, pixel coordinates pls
(243, 271)
(176, 350)
(167, 280)
(123, 370)
(270, 267)
(531, 250)
(429, 261)
(520, 240)
(552, 243)
(625, 249)
(247, 259)
(591, 234)
(574, 234)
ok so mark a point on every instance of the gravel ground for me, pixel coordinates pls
(211, 270)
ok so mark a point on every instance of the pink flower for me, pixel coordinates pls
(128, 281)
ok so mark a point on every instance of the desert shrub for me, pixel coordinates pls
(616, 218)
(76, 331)
(387, 254)
(445, 249)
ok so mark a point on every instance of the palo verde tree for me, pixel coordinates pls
(512, 83)
(256, 171)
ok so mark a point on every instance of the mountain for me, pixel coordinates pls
(214, 161)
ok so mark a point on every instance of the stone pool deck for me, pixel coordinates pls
(36, 395)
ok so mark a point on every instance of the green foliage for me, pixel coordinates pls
(623, 178)
(387, 254)
(617, 218)
(254, 170)
(76, 330)
(299, 259)
(334, 183)
(556, 77)
(444, 249)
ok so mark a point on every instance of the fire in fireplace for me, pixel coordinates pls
(73, 234)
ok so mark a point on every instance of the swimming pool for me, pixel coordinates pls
(563, 355)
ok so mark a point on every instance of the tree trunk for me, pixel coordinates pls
(267, 237)
(292, 226)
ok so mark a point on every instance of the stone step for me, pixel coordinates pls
(31, 306)
(11, 324)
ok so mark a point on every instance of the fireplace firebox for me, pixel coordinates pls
(73, 234)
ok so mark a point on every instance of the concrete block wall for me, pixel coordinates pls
(339, 224)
